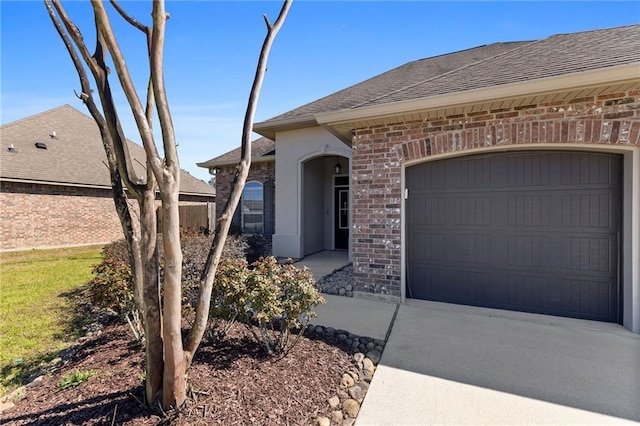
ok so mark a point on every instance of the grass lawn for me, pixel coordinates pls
(35, 310)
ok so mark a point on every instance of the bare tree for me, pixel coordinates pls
(168, 358)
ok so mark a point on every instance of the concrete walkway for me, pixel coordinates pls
(452, 365)
(365, 318)
(324, 262)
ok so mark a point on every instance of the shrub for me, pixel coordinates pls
(273, 300)
(257, 247)
(111, 288)
(280, 300)
(228, 297)
(195, 249)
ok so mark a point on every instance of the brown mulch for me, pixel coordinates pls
(232, 383)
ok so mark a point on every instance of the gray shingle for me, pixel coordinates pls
(260, 148)
(74, 157)
(484, 66)
(557, 55)
(399, 78)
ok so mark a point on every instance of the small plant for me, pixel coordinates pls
(228, 298)
(74, 379)
(280, 301)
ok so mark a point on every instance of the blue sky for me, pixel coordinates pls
(212, 48)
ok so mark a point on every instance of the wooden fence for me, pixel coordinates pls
(197, 217)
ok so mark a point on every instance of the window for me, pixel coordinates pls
(252, 208)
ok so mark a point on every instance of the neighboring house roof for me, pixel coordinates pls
(74, 157)
(262, 149)
(481, 67)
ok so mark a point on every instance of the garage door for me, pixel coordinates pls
(534, 232)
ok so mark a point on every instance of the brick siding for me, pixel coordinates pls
(260, 172)
(380, 151)
(37, 215)
(34, 215)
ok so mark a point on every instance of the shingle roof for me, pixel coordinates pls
(554, 56)
(74, 157)
(482, 67)
(261, 148)
(399, 78)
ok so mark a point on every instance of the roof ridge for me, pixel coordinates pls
(527, 44)
(19, 120)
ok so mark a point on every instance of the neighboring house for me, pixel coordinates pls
(504, 176)
(54, 182)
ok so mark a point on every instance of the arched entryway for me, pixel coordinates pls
(325, 204)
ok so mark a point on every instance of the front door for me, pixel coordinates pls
(341, 212)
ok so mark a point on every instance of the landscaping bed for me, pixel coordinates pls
(232, 383)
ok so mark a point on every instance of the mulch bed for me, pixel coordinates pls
(232, 383)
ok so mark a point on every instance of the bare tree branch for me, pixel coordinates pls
(146, 133)
(156, 56)
(127, 173)
(130, 19)
(215, 253)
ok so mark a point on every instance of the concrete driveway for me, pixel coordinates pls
(449, 364)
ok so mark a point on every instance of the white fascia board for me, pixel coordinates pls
(551, 84)
(210, 165)
(269, 128)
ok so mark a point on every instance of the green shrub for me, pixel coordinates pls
(280, 299)
(228, 297)
(273, 300)
(112, 290)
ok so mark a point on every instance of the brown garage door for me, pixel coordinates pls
(534, 232)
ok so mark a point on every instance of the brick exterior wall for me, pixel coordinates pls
(34, 215)
(380, 151)
(260, 172)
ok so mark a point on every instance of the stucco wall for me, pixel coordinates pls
(293, 148)
(35, 215)
(380, 153)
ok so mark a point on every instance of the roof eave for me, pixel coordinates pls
(213, 164)
(269, 128)
(601, 76)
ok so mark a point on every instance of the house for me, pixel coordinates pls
(55, 188)
(503, 176)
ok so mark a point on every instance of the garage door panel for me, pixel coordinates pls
(588, 210)
(589, 254)
(429, 247)
(586, 299)
(535, 232)
(527, 250)
(448, 284)
(529, 210)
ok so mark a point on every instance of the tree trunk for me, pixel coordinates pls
(174, 383)
(151, 296)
